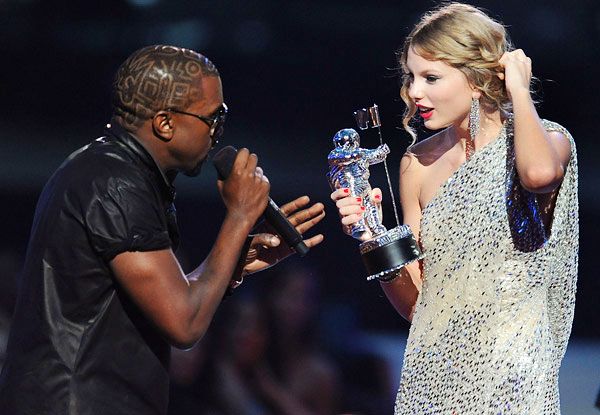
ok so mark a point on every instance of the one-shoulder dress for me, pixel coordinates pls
(495, 312)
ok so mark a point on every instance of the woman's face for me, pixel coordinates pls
(441, 93)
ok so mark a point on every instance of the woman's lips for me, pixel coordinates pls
(425, 112)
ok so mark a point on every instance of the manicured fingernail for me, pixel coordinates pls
(359, 199)
(378, 197)
(362, 208)
(346, 190)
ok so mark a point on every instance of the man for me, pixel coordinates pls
(102, 295)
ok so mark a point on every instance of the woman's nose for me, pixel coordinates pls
(415, 91)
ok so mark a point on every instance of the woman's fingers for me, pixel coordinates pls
(349, 201)
(351, 210)
(340, 193)
(351, 219)
(376, 196)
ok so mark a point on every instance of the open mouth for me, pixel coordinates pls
(425, 112)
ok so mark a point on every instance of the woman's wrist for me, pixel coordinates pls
(521, 95)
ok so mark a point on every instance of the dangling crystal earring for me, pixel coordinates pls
(474, 115)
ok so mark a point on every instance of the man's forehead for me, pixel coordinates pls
(212, 87)
(210, 94)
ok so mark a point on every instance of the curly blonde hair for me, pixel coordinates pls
(467, 39)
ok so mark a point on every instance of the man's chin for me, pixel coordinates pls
(196, 170)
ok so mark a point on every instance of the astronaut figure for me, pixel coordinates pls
(349, 168)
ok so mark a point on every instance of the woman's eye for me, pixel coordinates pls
(431, 79)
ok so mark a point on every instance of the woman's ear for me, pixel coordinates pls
(163, 126)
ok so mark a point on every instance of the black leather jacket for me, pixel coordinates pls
(78, 344)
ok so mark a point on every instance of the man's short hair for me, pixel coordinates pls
(155, 78)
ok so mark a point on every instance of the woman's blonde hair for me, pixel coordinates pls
(467, 39)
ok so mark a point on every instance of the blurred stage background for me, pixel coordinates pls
(293, 72)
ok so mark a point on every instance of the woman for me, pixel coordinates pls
(492, 199)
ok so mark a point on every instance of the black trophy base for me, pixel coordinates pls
(385, 254)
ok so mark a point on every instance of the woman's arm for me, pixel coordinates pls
(404, 290)
(541, 157)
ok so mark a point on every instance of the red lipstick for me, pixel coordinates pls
(425, 112)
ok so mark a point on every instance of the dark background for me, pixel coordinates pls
(293, 72)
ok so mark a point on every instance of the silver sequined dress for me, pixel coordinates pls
(496, 308)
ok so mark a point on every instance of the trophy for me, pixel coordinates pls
(384, 252)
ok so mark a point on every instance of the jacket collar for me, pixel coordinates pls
(116, 131)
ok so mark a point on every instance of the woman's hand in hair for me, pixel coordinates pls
(517, 72)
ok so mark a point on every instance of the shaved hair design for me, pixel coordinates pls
(155, 78)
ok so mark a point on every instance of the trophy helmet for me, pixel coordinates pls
(347, 137)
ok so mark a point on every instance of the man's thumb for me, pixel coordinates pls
(267, 239)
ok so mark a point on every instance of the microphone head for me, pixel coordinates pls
(223, 161)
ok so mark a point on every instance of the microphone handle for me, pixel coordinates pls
(223, 162)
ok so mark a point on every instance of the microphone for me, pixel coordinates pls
(223, 162)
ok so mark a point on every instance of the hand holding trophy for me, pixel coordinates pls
(385, 252)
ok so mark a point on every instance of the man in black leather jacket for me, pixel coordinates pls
(102, 296)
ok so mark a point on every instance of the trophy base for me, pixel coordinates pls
(385, 254)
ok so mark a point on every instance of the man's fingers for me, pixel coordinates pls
(260, 175)
(252, 163)
(305, 214)
(265, 239)
(241, 159)
(245, 161)
(309, 223)
(313, 241)
(294, 205)
(303, 219)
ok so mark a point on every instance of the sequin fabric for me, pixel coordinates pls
(495, 312)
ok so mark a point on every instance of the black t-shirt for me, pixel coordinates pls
(78, 344)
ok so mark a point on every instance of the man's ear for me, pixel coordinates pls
(162, 126)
